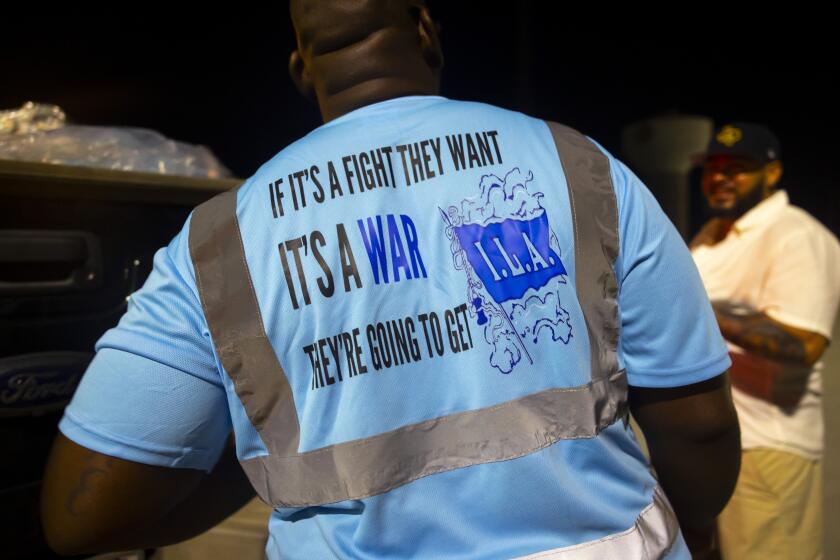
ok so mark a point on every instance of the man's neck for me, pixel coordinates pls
(724, 228)
(370, 92)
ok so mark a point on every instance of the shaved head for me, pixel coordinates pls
(355, 52)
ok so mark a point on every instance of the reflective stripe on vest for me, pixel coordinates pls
(651, 537)
(369, 466)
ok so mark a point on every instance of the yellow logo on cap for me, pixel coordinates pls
(729, 136)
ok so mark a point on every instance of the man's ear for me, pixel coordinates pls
(429, 39)
(772, 174)
(300, 76)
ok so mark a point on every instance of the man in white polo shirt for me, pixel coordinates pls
(772, 272)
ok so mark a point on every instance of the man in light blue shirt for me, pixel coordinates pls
(393, 317)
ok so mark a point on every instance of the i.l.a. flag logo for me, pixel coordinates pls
(502, 241)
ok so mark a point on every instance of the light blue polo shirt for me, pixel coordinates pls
(412, 259)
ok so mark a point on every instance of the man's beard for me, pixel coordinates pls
(741, 206)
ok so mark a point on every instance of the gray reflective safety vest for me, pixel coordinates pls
(374, 465)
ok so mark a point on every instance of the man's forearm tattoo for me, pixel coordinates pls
(758, 333)
(98, 468)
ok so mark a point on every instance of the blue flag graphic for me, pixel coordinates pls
(511, 256)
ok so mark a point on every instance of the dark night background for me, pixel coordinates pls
(220, 79)
(217, 76)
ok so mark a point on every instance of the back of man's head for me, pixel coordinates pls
(354, 52)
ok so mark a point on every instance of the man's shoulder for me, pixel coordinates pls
(793, 229)
(796, 223)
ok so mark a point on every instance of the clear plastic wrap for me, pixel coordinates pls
(38, 132)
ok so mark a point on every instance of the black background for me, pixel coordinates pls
(219, 78)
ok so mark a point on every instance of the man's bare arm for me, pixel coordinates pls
(92, 502)
(695, 446)
(757, 333)
(778, 358)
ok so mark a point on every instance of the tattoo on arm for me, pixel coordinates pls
(771, 341)
(99, 467)
(758, 333)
